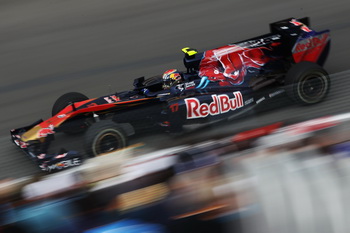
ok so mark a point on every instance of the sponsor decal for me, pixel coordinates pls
(63, 164)
(260, 100)
(174, 107)
(185, 86)
(273, 94)
(108, 100)
(221, 104)
(260, 42)
(306, 28)
(190, 85)
(17, 142)
(310, 43)
(248, 101)
(21, 144)
(111, 99)
(303, 26)
(295, 22)
(62, 116)
(115, 98)
(42, 133)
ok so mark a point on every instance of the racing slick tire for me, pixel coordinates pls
(103, 137)
(307, 83)
(67, 99)
(73, 126)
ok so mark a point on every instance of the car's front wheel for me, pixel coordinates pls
(103, 137)
(66, 99)
(77, 124)
(307, 83)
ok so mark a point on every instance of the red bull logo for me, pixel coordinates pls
(221, 104)
(42, 133)
(310, 43)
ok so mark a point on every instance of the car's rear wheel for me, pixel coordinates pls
(77, 124)
(104, 137)
(307, 83)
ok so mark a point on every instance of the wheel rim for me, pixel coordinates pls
(107, 143)
(313, 87)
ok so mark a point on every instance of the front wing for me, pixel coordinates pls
(37, 151)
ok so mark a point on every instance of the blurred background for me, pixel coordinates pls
(96, 47)
(48, 48)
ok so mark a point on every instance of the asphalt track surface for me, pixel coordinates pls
(48, 48)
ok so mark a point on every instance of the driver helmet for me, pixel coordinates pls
(170, 78)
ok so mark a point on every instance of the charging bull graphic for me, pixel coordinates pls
(228, 65)
(46, 131)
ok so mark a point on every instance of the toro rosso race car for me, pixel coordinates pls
(218, 84)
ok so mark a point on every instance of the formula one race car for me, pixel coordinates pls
(218, 84)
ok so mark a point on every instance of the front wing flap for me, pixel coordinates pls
(37, 151)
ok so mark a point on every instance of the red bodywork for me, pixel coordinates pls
(229, 64)
(311, 48)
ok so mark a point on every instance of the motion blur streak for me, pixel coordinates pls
(298, 183)
(301, 191)
(51, 47)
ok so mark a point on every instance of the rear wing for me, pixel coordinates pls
(302, 42)
(279, 27)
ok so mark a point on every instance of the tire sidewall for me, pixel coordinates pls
(64, 100)
(97, 130)
(296, 77)
(298, 88)
(117, 133)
